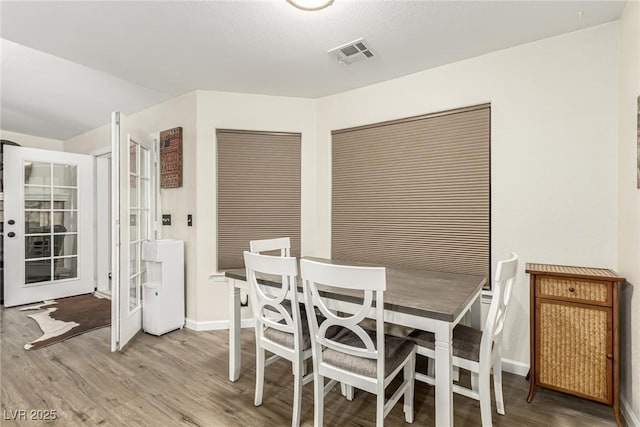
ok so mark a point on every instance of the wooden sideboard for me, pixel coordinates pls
(574, 332)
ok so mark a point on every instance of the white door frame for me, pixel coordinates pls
(103, 211)
(103, 219)
(115, 231)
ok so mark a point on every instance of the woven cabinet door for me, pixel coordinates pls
(574, 348)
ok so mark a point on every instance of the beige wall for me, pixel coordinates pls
(98, 139)
(554, 129)
(178, 202)
(555, 126)
(32, 141)
(249, 112)
(200, 113)
(629, 211)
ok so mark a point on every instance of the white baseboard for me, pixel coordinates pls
(206, 326)
(515, 367)
(627, 412)
(215, 325)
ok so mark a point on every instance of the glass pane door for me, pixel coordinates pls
(51, 222)
(139, 217)
(49, 225)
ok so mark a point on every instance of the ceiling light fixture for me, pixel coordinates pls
(310, 4)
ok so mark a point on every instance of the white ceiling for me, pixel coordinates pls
(67, 65)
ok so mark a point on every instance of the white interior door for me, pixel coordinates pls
(48, 239)
(132, 184)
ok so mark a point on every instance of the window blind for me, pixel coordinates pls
(258, 191)
(415, 192)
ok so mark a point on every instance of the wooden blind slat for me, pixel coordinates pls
(258, 191)
(414, 193)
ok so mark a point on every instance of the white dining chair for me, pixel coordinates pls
(282, 244)
(367, 360)
(478, 351)
(279, 327)
(272, 246)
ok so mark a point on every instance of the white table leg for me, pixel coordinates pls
(234, 331)
(476, 313)
(444, 374)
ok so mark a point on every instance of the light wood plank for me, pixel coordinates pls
(181, 379)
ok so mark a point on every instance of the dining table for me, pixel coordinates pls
(428, 300)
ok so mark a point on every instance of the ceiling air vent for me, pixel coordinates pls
(354, 51)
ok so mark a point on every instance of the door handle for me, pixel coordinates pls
(11, 234)
(11, 222)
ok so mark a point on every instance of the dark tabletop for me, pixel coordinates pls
(431, 294)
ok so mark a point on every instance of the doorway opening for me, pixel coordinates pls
(103, 223)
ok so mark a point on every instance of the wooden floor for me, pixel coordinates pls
(181, 379)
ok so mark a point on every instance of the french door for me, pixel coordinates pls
(48, 231)
(132, 186)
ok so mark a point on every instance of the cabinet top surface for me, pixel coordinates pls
(571, 271)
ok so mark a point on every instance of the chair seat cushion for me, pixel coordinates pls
(389, 328)
(466, 342)
(286, 339)
(396, 351)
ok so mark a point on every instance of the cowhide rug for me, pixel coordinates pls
(67, 317)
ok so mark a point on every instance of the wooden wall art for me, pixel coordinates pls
(171, 158)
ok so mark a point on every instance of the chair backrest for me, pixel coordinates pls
(370, 280)
(283, 244)
(268, 300)
(503, 286)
